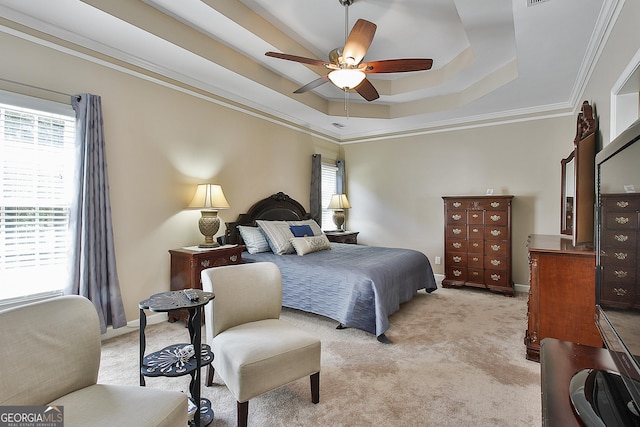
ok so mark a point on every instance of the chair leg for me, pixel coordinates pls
(315, 387)
(210, 372)
(243, 413)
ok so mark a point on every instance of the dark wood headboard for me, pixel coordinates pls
(278, 206)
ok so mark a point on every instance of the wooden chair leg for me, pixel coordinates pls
(315, 387)
(243, 413)
(210, 372)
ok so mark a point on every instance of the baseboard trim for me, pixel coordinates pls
(518, 288)
(133, 326)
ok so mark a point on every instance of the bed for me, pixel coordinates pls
(358, 286)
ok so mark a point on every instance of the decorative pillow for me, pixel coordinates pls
(306, 245)
(278, 236)
(301, 230)
(317, 231)
(254, 239)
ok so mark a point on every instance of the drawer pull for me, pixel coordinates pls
(456, 231)
(475, 259)
(233, 258)
(457, 259)
(476, 244)
(205, 263)
(495, 262)
(495, 248)
(475, 230)
(457, 204)
(457, 273)
(496, 233)
(475, 273)
(621, 237)
(495, 204)
(620, 292)
(622, 203)
(620, 274)
(622, 220)
(456, 217)
(495, 277)
(495, 217)
(457, 245)
(621, 255)
(475, 215)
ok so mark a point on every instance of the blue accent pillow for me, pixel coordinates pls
(301, 230)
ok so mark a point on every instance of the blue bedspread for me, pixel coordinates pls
(358, 286)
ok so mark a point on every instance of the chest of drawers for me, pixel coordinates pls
(619, 250)
(478, 242)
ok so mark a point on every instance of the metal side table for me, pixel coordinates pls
(171, 361)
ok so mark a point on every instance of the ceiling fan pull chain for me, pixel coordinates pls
(346, 102)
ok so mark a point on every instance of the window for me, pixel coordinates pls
(329, 183)
(36, 178)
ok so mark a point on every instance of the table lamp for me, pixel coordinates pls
(209, 198)
(339, 203)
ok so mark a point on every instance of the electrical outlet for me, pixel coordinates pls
(438, 260)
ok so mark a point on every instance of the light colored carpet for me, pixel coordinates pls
(458, 359)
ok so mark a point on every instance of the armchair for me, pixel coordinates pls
(50, 355)
(255, 352)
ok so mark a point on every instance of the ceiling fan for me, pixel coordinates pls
(347, 69)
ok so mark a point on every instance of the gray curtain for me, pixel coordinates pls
(93, 262)
(315, 198)
(340, 177)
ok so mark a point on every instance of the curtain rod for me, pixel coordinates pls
(37, 87)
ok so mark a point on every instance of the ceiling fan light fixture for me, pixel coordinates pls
(346, 78)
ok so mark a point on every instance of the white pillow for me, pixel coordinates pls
(317, 231)
(278, 236)
(254, 239)
(306, 245)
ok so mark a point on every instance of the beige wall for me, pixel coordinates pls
(396, 187)
(161, 142)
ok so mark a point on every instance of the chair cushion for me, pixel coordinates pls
(260, 356)
(111, 405)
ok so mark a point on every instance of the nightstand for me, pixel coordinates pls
(187, 264)
(350, 237)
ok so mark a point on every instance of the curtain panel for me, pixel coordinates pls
(315, 198)
(93, 272)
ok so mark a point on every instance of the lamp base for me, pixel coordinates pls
(209, 224)
(209, 245)
(338, 218)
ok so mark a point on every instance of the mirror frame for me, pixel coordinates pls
(584, 157)
(566, 209)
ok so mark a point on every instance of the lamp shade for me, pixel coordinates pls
(209, 196)
(346, 78)
(339, 201)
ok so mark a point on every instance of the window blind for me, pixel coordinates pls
(329, 183)
(36, 180)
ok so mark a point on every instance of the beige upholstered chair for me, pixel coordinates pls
(254, 351)
(50, 355)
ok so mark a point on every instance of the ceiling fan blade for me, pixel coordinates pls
(367, 91)
(314, 84)
(296, 58)
(397, 65)
(358, 41)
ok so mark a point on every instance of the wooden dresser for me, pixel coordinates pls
(618, 250)
(478, 242)
(562, 293)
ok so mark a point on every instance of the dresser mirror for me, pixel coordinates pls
(578, 181)
(567, 195)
